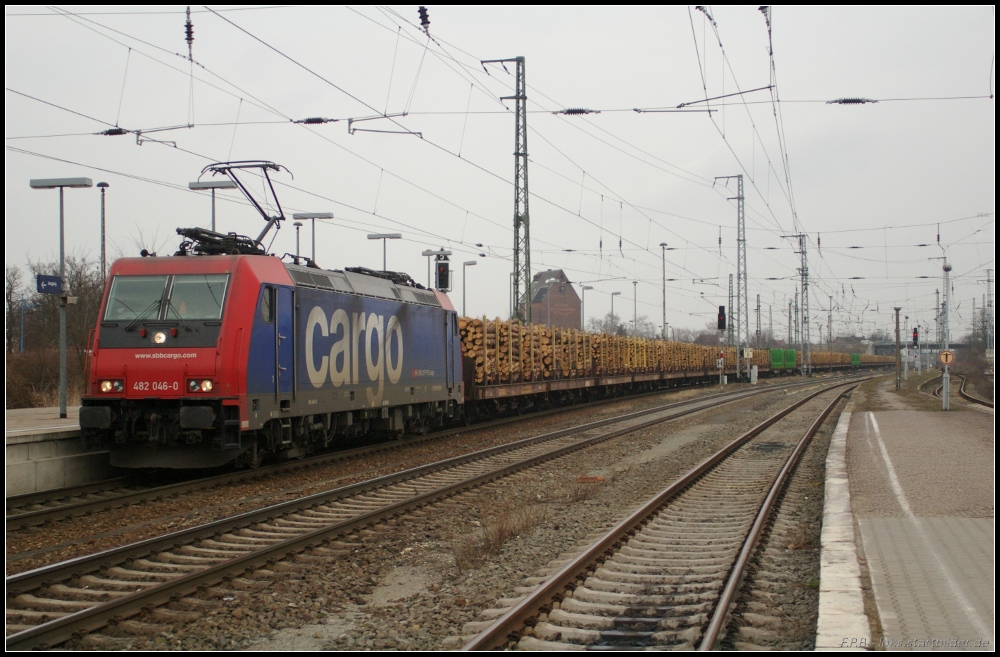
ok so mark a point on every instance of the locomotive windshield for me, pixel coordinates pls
(182, 296)
(196, 297)
(133, 297)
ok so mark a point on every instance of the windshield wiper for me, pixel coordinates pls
(171, 309)
(153, 307)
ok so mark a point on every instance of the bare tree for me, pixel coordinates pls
(83, 282)
(13, 291)
(33, 376)
(683, 334)
(645, 328)
(608, 324)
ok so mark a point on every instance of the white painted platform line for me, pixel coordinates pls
(842, 623)
(982, 627)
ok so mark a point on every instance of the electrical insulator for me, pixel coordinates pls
(425, 22)
(722, 318)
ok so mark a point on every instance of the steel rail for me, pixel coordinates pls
(716, 624)
(497, 634)
(57, 631)
(85, 507)
(46, 496)
(972, 398)
(928, 382)
(36, 576)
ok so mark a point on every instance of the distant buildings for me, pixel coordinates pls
(554, 300)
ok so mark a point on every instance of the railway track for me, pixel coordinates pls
(964, 393)
(972, 398)
(50, 605)
(35, 509)
(667, 576)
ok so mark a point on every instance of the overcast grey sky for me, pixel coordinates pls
(869, 183)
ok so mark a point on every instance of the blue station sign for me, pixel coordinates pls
(49, 284)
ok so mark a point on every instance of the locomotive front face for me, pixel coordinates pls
(158, 393)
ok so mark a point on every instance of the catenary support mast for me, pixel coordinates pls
(522, 233)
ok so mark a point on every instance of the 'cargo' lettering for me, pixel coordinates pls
(358, 338)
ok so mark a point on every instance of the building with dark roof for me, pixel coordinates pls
(554, 300)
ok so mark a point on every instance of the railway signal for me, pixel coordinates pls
(722, 318)
(443, 274)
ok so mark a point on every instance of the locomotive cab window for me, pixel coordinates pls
(196, 297)
(135, 297)
(267, 305)
(188, 297)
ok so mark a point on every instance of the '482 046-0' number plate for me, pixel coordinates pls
(156, 386)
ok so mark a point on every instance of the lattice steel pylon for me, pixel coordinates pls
(742, 316)
(803, 312)
(522, 232)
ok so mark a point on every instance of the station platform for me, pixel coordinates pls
(909, 526)
(44, 451)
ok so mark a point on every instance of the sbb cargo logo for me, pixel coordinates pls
(358, 338)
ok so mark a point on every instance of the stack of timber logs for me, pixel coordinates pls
(511, 352)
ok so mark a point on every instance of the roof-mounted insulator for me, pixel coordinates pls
(114, 132)
(850, 101)
(312, 120)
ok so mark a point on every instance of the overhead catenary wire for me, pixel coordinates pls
(584, 178)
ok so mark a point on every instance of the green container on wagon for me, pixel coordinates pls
(777, 360)
(789, 359)
(855, 360)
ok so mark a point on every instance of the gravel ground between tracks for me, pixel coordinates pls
(779, 602)
(33, 547)
(414, 583)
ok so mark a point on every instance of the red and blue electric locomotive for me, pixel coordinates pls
(199, 361)
(222, 353)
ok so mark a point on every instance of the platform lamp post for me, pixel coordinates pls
(384, 237)
(613, 295)
(104, 260)
(663, 253)
(467, 263)
(583, 306)
(212, 185)
(312, 216)
(945, 335)
(635, 308)
(60, 183)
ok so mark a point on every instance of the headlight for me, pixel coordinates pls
(200, 385)
(159, 337)
(112, 385)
